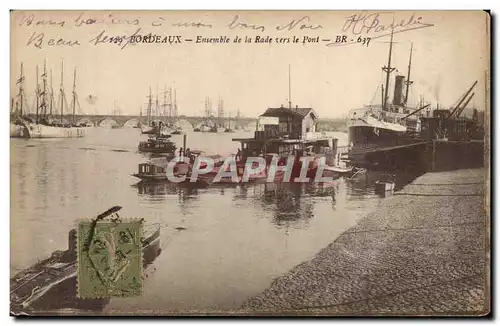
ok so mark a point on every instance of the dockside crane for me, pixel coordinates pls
(458, 108)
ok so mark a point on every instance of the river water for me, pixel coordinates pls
(236, 239)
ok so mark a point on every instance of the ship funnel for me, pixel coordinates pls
(398, 90)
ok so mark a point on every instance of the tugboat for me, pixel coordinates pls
(160, 144)
(51, 284)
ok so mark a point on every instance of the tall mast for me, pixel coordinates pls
(74, 96)
(170, 104)
(21, 90)
(37, 94)
(149, 106)
(408, 82)
(388, 69)
(62, 91)
(165, 103)
(44, 97)
(175, 104)
(51, 105)
(156, 109)
(289, 87)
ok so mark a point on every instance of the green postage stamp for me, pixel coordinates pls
(109, 258)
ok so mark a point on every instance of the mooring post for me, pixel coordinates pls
(184, 141)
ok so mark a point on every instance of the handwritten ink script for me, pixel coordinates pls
(374, 25)
(359, 28)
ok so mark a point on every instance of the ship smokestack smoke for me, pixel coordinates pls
(398, 90)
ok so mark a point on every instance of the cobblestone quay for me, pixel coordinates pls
(423, 252)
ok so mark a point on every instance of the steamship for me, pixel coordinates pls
(375, 127)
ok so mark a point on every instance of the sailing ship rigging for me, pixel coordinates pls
(44, 124)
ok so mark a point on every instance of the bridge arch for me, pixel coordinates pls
(107, 122)
(131, 123)
(184, 124)
(85, 121)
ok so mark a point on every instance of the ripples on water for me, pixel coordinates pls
(236, 240)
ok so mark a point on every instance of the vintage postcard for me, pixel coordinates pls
(257, 163)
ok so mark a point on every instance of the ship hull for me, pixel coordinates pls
(383, 148)
(42, 131)
(18, 131)
(369, 137)
(147, 130)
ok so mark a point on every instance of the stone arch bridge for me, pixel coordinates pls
(325, 124)
(130, 120)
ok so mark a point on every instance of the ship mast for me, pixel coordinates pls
(165, 103)
(74, 98)
(289, 87)
(388, 69)
(175, 103)
(408, 82)
(37, 95)
(21, 90)
(62, 91)
(156, 103)
(149, 106)
(44, 94)
(170, 104)
(51, 105)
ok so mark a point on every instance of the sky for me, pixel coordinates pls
(450, 52)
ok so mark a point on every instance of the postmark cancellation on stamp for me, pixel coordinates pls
(109, 258)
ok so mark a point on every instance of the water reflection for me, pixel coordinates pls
(163, 189)
(238, 238)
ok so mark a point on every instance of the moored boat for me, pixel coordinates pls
(177, 131)
(149, 172)
(161, 144)
(45, 125)
(18, 130)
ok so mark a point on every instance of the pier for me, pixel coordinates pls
(424, 251)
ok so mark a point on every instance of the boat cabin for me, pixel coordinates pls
(252, 147)
(151, 169)
(157, 145)
(293, 123)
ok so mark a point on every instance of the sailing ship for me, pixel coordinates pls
(153, 127)
(116, 112)
(177, 128)
(219, 125)
(45, 125)
(228, 129)
(17, 127)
